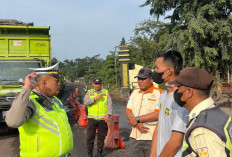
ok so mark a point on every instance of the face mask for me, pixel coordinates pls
(157, 77)
(177, 97)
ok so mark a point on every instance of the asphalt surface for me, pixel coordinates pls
(9, 142)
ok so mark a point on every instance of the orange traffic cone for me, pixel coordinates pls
(83, 121)
(113, 140)
(76, 91)
(120, 143)
(70, 103)
(75, 94)
(77, 109)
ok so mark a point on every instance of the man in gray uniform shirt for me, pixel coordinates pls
(99, 106)
(40, 117)
(169, 133)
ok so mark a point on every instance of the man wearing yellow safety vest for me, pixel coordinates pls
(209, 132)
(40, 116)
(99, 105)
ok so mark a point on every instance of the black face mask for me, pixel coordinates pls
(177, 97)
(157, 77)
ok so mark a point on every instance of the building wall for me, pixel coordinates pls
(134, 72)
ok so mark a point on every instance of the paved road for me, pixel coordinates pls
(9, 144)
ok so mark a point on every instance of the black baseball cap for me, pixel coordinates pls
(96, 80)
(144, 73)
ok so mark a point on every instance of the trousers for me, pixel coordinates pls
(138, 148)
(102, 127)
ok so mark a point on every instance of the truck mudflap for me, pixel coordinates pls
(3, 116)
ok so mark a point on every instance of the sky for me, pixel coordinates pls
(80, 28)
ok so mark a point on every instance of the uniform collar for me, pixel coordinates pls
(97, 91)
(150, 90)
(50, 99)
(207, 103)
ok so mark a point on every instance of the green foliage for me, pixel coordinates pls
(110, 68)
(201, 30)
(86, 67)
(94, 68)
(150, 37)
(53, 61)
(91, 67)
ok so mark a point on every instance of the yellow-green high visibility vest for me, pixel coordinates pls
(98, 109)
(215, 120)
(47, 133)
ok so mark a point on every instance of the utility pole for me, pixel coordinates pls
(115, 65)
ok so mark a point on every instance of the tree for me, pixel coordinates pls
(201, 30)
(54, 61)
(110, 68)
(68, 69)
(150, 37)
(94, 65)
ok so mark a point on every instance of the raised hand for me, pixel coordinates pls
(27, 82)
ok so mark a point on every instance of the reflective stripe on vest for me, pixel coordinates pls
(98, 109)
(47, 133)
(218, 125)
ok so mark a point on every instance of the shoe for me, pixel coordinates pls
(99, 153)
(90, 153)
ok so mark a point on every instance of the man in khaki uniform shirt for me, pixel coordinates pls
(209, 131)
(142, 102)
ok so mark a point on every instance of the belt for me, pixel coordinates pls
(67, 155)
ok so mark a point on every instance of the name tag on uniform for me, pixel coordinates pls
(152, 97)
(91, 94)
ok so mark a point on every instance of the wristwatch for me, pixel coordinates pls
(137, 119)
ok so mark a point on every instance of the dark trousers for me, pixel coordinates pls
(102, 127)
(138, 148)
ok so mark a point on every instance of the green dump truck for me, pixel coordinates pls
(22, 46)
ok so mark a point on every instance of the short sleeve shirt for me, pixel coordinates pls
(141, 103)
(172, 117)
